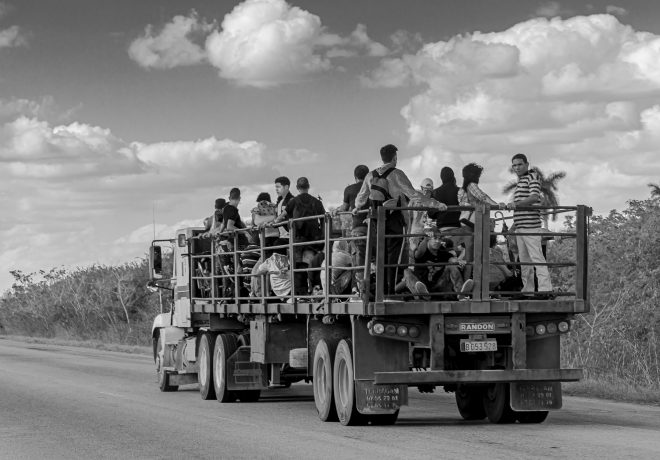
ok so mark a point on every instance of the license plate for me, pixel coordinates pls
(469, 346)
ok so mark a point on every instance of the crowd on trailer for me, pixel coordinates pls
(428, 253)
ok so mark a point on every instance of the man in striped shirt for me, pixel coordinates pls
(528, 193)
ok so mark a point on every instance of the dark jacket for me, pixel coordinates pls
(447, 194)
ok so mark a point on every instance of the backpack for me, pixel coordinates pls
(380, 190)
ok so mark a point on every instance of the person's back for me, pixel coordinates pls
(447, 193)
(305, 205)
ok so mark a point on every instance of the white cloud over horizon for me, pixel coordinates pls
(260, 43)
(77, 194)
(580, 95)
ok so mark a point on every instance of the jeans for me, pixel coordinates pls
(529, 250)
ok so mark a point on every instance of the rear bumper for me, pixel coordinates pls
(478, 376)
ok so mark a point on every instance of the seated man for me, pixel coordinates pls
(340, 280)
(427, 276)
(277, 267)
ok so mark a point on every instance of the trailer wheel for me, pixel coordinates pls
(344, 385)
(469, 401)
(496, 404)
(322, 381)
(163, 376)
(205, 373)
(225, 346)
(532, 417)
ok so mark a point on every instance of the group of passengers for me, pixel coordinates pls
(438, 255)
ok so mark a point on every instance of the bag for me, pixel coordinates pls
(380, 190)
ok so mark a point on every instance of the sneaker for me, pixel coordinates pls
(466, 289)
(420, 289)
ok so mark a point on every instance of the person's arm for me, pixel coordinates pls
(284, 214)
(262, 270)
(480, 195)
(401, 183)
(534, 194)
(363, 194)
(421, 249)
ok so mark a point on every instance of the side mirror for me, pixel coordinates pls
(155, 262)
(152, 286)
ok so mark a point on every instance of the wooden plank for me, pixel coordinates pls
(437, 335)
(518, 341)
(478, 376)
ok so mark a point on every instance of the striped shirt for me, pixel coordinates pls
(527, 185)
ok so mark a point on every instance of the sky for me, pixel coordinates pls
(118, 115)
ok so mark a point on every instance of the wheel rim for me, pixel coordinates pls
(342, 380)
(321, 383)
(203, 365)
(219, 367)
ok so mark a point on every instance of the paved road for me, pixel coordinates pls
(67, 403)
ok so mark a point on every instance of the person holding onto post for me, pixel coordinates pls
(528, 193)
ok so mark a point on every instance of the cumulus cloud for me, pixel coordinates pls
(616, 10)
(80, 186)
(580, 95)
(11, 36)
(260, 43)
(179, 43)
(552, 9)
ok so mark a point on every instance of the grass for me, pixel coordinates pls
(613, 389)
(96, 344)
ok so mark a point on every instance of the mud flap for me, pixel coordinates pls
(379, 399)
(535, 396)
(242, 374)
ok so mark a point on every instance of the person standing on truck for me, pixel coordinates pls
(357, 247)
(300, 206)
(282, 185)
(213, 223)
(447, 193)
(232, 218)
(390, 183)
(528, 193)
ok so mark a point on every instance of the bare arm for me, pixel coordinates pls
(363, 194)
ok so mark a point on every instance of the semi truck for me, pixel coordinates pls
(499, 352)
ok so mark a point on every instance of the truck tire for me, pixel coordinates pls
(225, 346)
(163, 376)
(205, 372)
(538, 416)
(469, 401)
(344, 385)
(322, 381)
(496, 403)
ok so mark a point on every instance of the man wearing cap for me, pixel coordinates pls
(301, 206)
(213, 223)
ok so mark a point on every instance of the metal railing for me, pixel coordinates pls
(218, 284)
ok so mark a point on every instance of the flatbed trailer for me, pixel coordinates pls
(499, 352)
